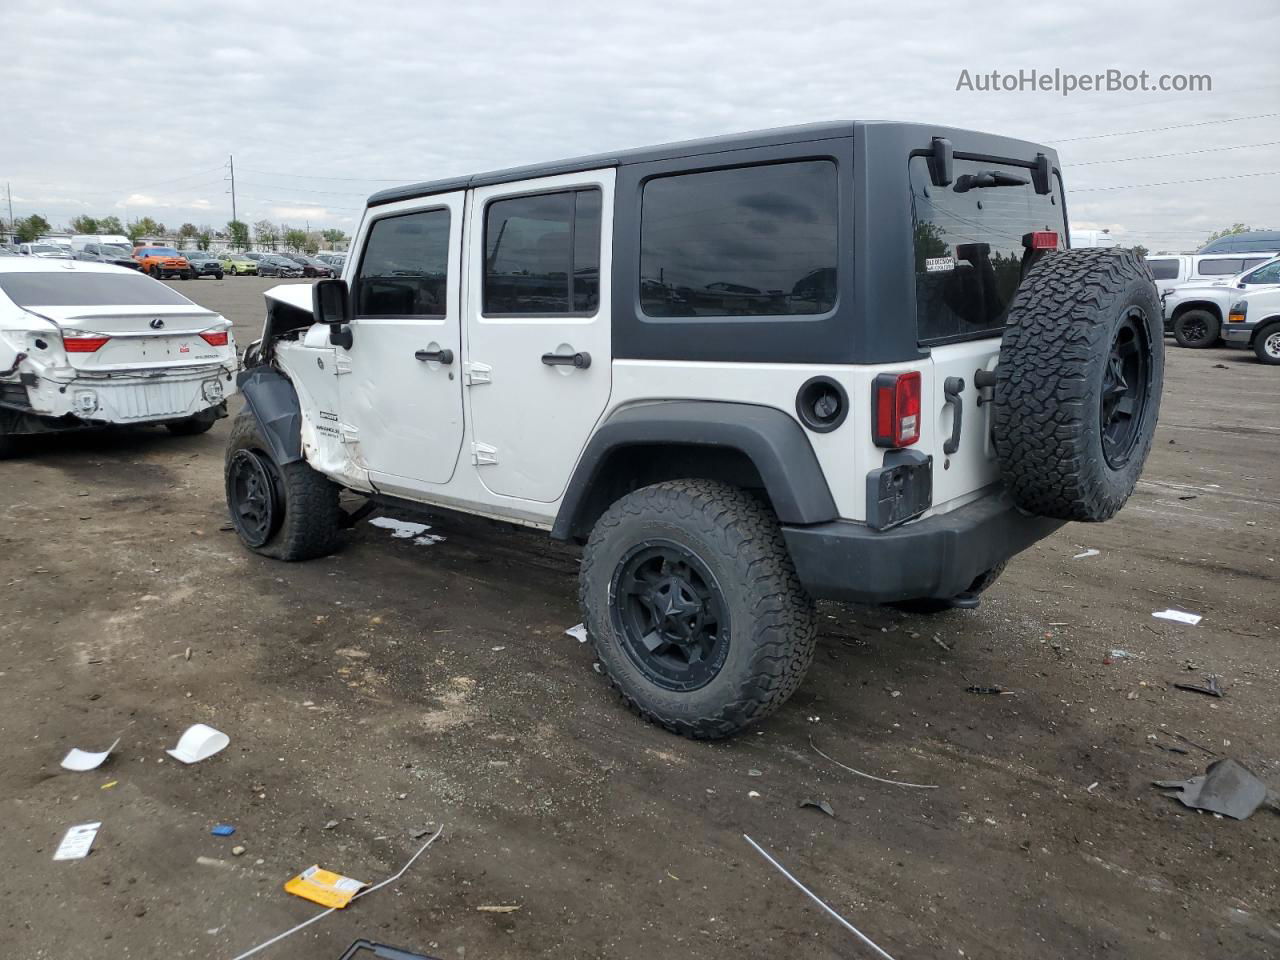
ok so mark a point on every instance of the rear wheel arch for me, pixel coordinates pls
(749, 446)
(1206, 305)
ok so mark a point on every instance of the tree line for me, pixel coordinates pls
(237, 233)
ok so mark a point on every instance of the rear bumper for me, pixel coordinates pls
(939, 556)
(124, 399)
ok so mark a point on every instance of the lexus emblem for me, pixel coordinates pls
(157, 323)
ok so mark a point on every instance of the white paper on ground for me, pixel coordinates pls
(82, 760)
(1180, 616)
(199, 742)
(1088, 553)
(77, 841)
(406, 530)
(578, 633)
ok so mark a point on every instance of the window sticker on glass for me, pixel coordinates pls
(936, 264)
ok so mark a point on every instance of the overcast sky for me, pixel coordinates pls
(132, 109)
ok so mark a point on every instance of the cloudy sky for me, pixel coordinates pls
(133, 109)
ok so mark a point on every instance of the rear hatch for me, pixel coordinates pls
(974, 240)
(120, 321)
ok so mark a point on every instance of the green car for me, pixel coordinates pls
(238, 263)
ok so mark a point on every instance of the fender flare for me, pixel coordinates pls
(271, 399)
(773, 441)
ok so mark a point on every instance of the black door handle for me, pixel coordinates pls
(951, 389)
(439, 356)
(581, 360)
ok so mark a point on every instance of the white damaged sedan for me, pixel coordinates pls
(90, 345)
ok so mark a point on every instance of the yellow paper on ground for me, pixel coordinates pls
(324, 887)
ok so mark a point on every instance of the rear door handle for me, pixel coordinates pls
(581, 360)
(952, 387)
(439, 356)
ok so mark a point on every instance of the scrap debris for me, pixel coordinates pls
(1210, 687)
(1178, 616)
(1226, 787)
(578, 633)
(894, 783)
(1088, 553)
(819, 805)
(199, 742)
(82, 760)
(498, 908)
(990, 691)
(77, 841)
(363, 893)
(816, 899)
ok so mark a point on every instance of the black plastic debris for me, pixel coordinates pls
(989, 691)
(367, 950)
(1226, 787)
(819, 805)
(1210, 687)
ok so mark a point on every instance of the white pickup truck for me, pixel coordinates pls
(1195, 312)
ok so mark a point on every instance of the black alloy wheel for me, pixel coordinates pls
(671, 615)
(1125, 385)
(254, 501)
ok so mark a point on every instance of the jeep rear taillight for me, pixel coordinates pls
(83, 342)
(895, 409)
(1041, 240)
(215, 338)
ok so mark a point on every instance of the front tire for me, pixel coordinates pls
(1196, 329)
(289, 512)
(1266, 344)
(694, 607)
(234, 271)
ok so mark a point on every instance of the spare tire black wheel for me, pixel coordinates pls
(1078, 385)
(1196, 329)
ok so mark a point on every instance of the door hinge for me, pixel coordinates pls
(477, 372)
(341, 364)
(482, 453)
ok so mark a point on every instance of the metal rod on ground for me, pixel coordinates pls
(814, 897)
(378, 886)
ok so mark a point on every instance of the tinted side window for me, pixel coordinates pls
(404, 268)
(542, 254)
(751, 241)
(1164, 269)
(1248, 262)
(1220, 268)
(1268, 274)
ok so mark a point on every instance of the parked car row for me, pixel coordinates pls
(1197, 312)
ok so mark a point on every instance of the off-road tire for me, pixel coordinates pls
(1054, 358)
(772, 631)
(1196, 329)
(930, 605)
(312, 522)
(1261, 340)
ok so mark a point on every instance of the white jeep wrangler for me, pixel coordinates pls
(843, 361)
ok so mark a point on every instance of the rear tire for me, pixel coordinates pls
(694, 608)
(297, 517)
(1078, 385)
(218, 275)
(1266, 344)
(234, 271)
(1196, 329)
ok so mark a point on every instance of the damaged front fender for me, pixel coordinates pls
(272, 400)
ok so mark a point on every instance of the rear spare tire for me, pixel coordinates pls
(1078, 385)
(1196, 329)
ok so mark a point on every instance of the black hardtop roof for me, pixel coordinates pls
(693, 148)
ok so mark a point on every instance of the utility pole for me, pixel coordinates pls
(12, 228)
(231, 161)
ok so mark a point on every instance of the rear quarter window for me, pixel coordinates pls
(1220, 268)
(1164, 269)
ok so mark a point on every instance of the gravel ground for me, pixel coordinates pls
(397, 685)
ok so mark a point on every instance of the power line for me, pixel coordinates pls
(1168, 183)
(328, 193)
(1174, 126)
(317, 176)
(1180, 153)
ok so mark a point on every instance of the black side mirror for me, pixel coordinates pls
(1041, 175)
(331, 304)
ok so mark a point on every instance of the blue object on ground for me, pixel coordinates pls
(223, 830)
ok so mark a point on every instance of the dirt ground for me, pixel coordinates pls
(399, 684)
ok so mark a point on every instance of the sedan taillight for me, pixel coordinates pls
(214, 338)
(74, 342)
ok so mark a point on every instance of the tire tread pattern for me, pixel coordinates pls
(780, 626)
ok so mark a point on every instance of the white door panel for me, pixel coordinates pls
(531, 420)
(404, 408)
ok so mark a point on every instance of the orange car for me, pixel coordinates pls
(163, 262)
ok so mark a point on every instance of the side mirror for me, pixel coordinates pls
(331, 304)
(941, 162)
